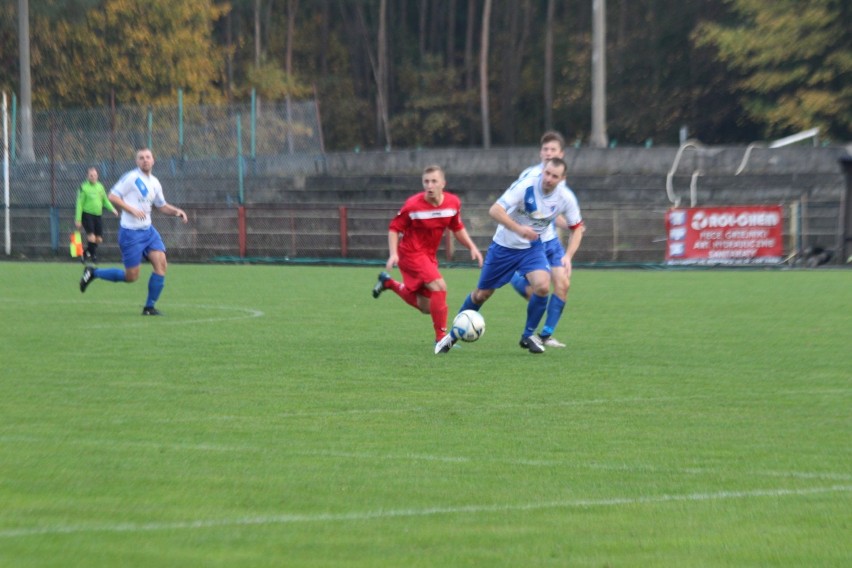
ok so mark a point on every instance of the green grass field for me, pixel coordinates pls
(280, 416)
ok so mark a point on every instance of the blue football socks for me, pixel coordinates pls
(155, 286)
(469, 305)
(535, 310)
(111, 274)
(519, 283)
(554, 312)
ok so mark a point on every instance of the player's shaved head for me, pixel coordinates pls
(434, 168)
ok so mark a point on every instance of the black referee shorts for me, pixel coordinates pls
(93, 224)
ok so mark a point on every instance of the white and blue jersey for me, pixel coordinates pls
(138, 237)
(550, 233)
(527, 205)
(140, 191)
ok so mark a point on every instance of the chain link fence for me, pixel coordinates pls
(252, 179)
(204, 155)
(187, 138)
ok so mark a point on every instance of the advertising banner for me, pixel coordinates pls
(749, 234)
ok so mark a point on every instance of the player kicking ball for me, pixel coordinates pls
(523, 213)
(414, 236)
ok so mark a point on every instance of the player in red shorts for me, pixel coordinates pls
(414, 236)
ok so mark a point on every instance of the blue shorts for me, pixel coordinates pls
(554, 251)
(501, 263)
(137, 243)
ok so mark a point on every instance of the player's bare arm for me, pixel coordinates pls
(575, 240)
(393, 247)
(499, 214)
(573, 245)
(464, 238)
(121, 204)
(173, 211)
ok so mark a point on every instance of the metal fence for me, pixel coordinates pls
(616, 234)
(202, 132)
(210, 158)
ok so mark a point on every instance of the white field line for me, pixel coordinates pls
(382, 514)
(236, 418)
(532, 462)
(403, 409)
(483, 407)
(408, 409)
(531, 405)
(812, 391)
(246, 313)
(113, 444)
(414, 457)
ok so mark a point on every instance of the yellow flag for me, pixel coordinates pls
(76, 247)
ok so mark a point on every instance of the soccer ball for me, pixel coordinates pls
(468, 325)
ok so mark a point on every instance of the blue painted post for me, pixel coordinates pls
(13, 127)
(253, 123)
(54, 228)
(150, 128)
(241, 209)
(54, 210)
(240, 156)
(180, 123)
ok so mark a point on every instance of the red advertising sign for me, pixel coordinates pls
(751, 234)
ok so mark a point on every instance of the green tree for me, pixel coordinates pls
(273, 83)
(794, 59)
(433, 112)
(325, 57)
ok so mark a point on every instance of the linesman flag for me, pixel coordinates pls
(76, 247)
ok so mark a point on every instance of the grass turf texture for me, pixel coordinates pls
(282, 416)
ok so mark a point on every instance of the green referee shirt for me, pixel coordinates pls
(91, 199)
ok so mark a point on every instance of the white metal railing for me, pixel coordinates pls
(803, 135)
(693, 185)
(695, 144)
(781, 142)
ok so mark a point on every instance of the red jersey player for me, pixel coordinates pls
(414, 236)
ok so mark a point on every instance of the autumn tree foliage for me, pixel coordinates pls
(413, 73)
(793, 62)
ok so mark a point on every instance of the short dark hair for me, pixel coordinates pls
(553, 136)
(559, 162)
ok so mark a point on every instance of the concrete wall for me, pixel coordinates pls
(293, 205)
(715, 160)
(612, 175)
